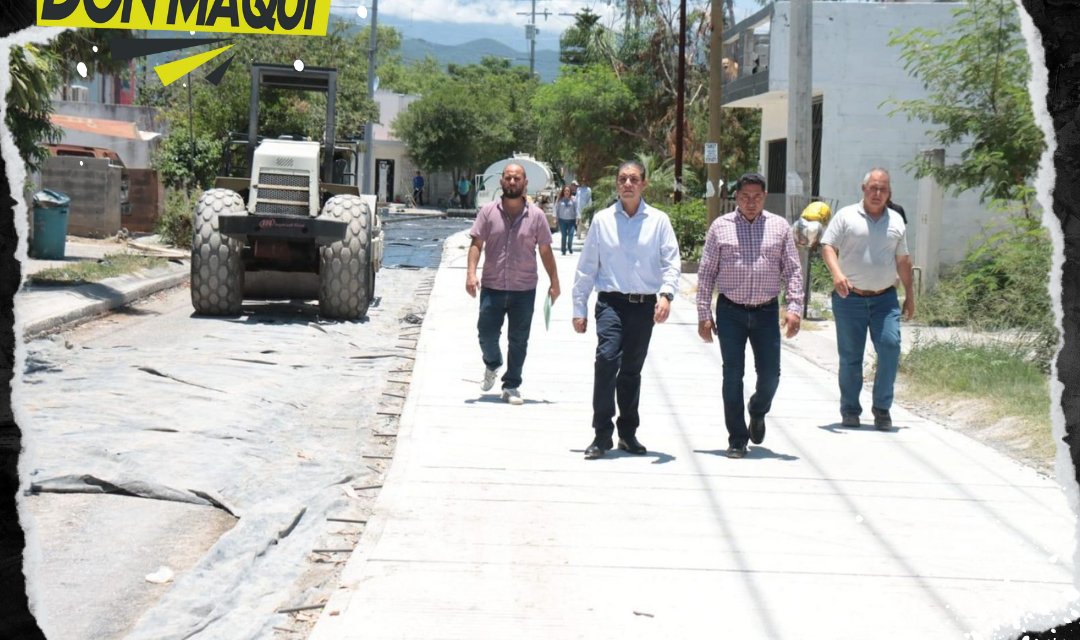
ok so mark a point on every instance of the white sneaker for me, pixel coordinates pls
(489, 379)
(513, 396)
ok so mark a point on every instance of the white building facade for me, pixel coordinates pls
(394, 170)
(855, 72)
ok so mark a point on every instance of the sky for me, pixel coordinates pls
(455, 22)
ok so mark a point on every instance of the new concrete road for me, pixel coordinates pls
(491, 525)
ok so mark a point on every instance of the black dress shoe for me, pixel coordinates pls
(630, 444)
(757, 429)
(736, 452)
(882, 419)
(598, 447)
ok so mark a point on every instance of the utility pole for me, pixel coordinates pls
(679, 102)
(191, 130)
(530, 35)
(800, 160)
(369, 128)
(716, 55)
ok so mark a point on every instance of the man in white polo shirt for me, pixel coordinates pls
(871, 240)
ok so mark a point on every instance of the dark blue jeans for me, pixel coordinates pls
(517, 308)
(854, 316)
(623, 331)
(567, 229)
(761, 327)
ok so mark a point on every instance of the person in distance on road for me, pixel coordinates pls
(566, 214)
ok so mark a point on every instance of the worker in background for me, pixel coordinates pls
(463, 187)
(418, 189)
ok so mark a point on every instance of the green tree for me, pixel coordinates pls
(976, 74)
(617, 93)
(588, 119)
(36, 71)
(28, 103)
(174, 160)
(587, 41)
(471, 117)
(418, 78)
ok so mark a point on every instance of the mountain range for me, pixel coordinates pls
(416, 49)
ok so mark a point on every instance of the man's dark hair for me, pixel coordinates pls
(750, 178)
(632, 163)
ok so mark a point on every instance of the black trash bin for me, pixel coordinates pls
(50, 224)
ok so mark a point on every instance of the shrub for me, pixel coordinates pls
(820, 278)
(1001, 284)
(176, 225)
(690, 222)
(173, 160)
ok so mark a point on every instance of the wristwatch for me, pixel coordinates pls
(669, 296)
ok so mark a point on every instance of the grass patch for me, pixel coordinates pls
(992, 371)
(1009, 394)
(112, 265)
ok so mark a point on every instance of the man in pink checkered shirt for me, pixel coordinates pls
(747, 254)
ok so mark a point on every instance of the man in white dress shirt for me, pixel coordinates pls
(631, 257)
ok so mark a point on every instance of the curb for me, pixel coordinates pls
(98, 307)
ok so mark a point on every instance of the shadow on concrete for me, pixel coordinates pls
(496, 398)
(613, 454)
(753, 452)
(836, 427)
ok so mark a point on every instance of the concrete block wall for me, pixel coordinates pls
(146, 194)
(94, 188)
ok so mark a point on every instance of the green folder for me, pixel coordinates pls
(547, 312)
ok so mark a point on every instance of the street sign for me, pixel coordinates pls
(712, 153)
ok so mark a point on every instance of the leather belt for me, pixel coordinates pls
(869, 294)
(749, 307)
(637, 298)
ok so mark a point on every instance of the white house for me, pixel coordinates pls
(394, 169)
(854, 72)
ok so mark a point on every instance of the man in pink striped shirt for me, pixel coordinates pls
(747, 253)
